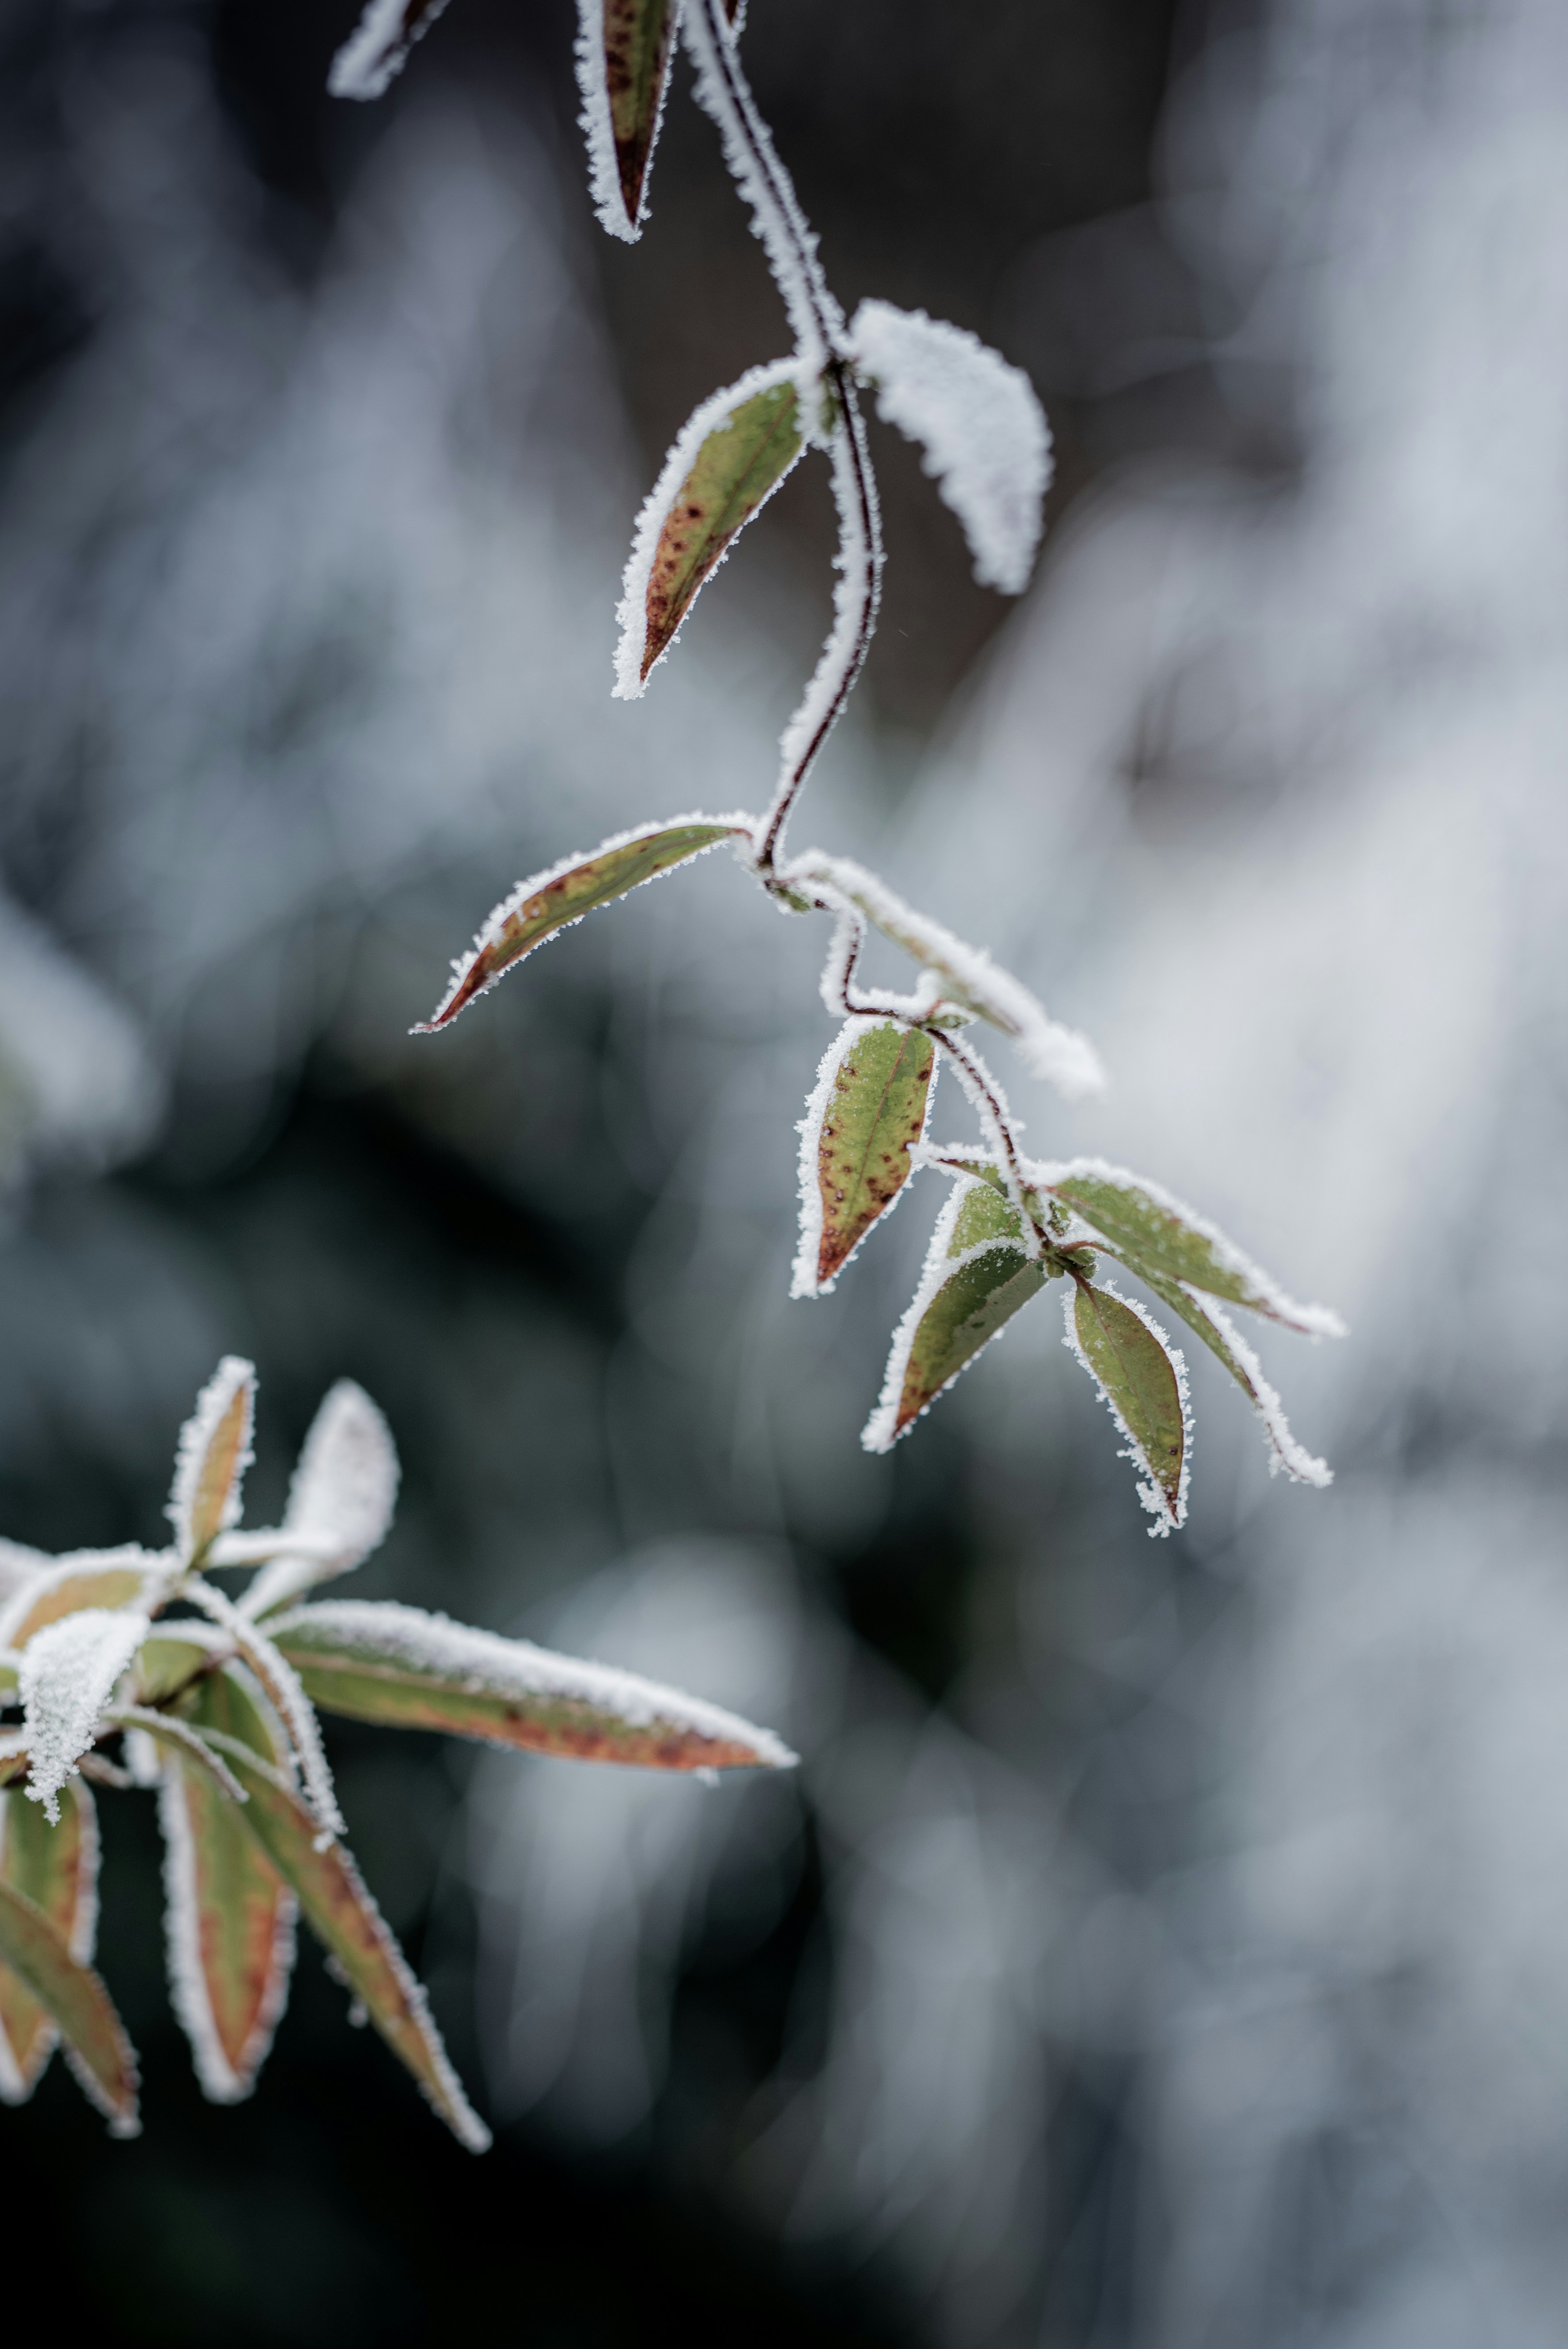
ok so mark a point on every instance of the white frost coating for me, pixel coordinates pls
(221, 2081)
(777, 220)
(1150, 1490)
(987, 441)
(632, 612)
(154, 1566)
(341, 1501)
(882, 1430)
(67, 1675)
(1060, 1054)
(376, 50)
(232, 1376)
(804, 1281)
(740, 822)
(856, 593)
(1284, 1452)
(1306, 1320)
(16, 2087)
(18, 1565)
(279, 1679)
(484, 1662)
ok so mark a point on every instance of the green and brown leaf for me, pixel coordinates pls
(875, 1111)
(638, 37)
(56, 1867)
(36, 1950)
(1140, 1382)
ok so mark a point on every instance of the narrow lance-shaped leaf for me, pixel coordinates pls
(68, 1674)
(100, 1578)
(374, 52)
(1142, 1380)
(870, 1105)
(343, 1915)
(986, 439)
(722, 472)
(96, 2048)
(384, 1662)
(1225, 1341)
(284, 1692)
(214, 1453)
(340, 1502)
(553, 900)
(976, 1278)
(1153, 1231)
(57, 1869)
(230, 1917)
(622, 70)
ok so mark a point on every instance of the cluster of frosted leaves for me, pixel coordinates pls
(213, 1702)
(998, 1243)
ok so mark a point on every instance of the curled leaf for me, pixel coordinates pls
(343, 1916)
(976, 1278)
(622, 70)
(96, 2048)
(1154, 1232)
(724, 467)
(553, 900)
(986, 439)
(214, 1454)
(57, 1869)
(376, 51)
(384, 1662)
(340, 1507)
(868, 1108)
(1142, 1380)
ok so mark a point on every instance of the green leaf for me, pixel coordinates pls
(56, 1867)
(231, 1920)
(342, 1914)
(1144, 1389)
(384, 1662)
(96, 2048)
(553, 901)
(956, 1311)
(105, 1578)
(859, 1126)
(1153, 1233)
(743, 453)
(638, 35)
(1228, 1347)
(215, 1451)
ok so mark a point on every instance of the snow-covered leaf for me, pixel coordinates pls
(553, 901)
(20, 1565)
(398, 1665)
(287, 1698)
(96, 2048)
(1143, 1379)
(976, 1278)
(1154, 1232)
(230, 1917)
(724, 467)
(1214, 1325)
(623, 69)
(374, 52)
(986, 439)
(868, 1106)
(341, 1501)
(57, 1869)
(68, 1674)
(102, 1579)
(214, 1454)
(959, 975)
(343, 1916)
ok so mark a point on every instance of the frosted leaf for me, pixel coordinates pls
(341, 1501)
(98, 2052)
(1142, 1378)
(282, 1687)
(868, 1108)
(57, 1869)
(557, 898)
(624, 49)
(127, 1577)
(378, 1661)
(18, 1564)
(725, 465)
(213, 1455)
(986, 442)
(376, 50)
(976, 1279)
(67, 1676)
(1209, 1320)
(968, 978)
